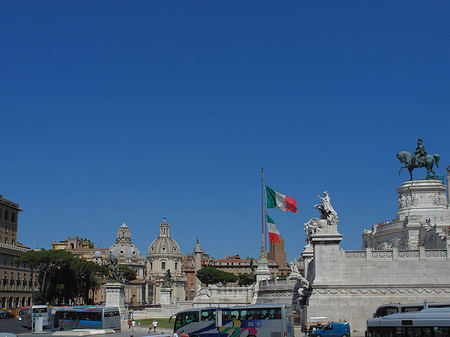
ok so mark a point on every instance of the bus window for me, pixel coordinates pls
(39, 310)
(270, 313)
(191, 317)
(230, 315)
(381, 312)
(246, 314)
(186, 318)
(411, 309)
(208, 315)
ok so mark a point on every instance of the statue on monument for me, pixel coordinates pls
(167, 279)
(115, 272)
(295, 274)
(294, 267)
(328, 218)
(418, 159)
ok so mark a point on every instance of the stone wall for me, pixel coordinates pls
(363, 280)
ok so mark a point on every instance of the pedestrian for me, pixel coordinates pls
(155, 324)
(175, 334)
(129, 323)
(133, 324)
(139, 326)
(149, 327)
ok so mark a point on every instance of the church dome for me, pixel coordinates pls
(98, 254)
(124, 248)
(164, 244)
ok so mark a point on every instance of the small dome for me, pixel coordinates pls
(164, 244)
(124, 251)
(98, 254)
(124, 248)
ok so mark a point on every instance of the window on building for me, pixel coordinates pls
(6, 215)
(13, 217)
(163, 265)
(13, 242)
(6, 229)
(151, 265)
(176, 265)
(6, 240)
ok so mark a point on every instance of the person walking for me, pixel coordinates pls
(154, 324)
(133, 324)
(175, 334)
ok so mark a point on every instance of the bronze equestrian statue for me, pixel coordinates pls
(418, 159)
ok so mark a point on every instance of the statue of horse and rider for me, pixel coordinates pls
(418, 159)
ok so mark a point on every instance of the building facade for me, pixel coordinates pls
(17, 282)
(278, 255)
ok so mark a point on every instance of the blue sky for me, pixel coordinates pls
(150, 109)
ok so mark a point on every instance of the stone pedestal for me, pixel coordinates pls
(327, 266)
(165, 295)
(422, 207)
(115, 295)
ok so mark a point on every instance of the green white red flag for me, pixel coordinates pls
(274, 235)
(280, 201)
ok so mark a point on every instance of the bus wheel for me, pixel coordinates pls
(61, 329)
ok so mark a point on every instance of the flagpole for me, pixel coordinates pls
(265, 220)
(262, 206)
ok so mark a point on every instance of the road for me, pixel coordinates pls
(14, 326)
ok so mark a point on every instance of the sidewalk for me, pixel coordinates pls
(143, 330)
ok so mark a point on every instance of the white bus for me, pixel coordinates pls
(394, 308)
(432, 322)
(270, 320)
(28, 314)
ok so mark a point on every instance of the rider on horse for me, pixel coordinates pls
(419, 155)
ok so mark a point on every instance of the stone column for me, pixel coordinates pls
(307, 256)
(197, 263)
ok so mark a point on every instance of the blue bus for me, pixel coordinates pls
(87, 318)
(269, 320)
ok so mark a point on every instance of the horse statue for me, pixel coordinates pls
(428, 162)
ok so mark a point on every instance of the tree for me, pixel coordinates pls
(211, 275)
(61, 276)
(129, 273)
(246, 279)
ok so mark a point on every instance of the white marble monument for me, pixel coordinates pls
(115, 295)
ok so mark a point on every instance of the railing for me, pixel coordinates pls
(19, 249)
(397, 254)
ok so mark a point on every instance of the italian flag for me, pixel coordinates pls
(280, 201)
(274, 235)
